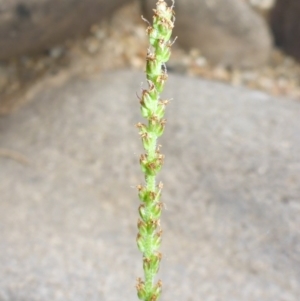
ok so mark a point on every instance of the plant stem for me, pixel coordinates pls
(153, 109)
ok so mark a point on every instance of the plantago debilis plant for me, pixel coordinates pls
(153, 109)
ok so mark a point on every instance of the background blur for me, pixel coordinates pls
(69, 74)
(244, 42)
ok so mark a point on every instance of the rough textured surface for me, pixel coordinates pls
(286, 26)
(227, 32)
(232, 173)
(35, 25)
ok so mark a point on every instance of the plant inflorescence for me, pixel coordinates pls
(153, 109)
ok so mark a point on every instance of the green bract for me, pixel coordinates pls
(153, 109)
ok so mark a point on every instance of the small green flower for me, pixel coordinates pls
(153, 109)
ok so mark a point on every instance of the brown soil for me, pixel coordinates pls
(121, 42)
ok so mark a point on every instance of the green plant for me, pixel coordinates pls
(153, 109)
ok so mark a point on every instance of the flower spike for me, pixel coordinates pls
(153, 109)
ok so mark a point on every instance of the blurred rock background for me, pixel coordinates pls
(69, 150)
(244, 42)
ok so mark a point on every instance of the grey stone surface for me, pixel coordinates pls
(35, 25)
(228, 32)
(232, 194)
